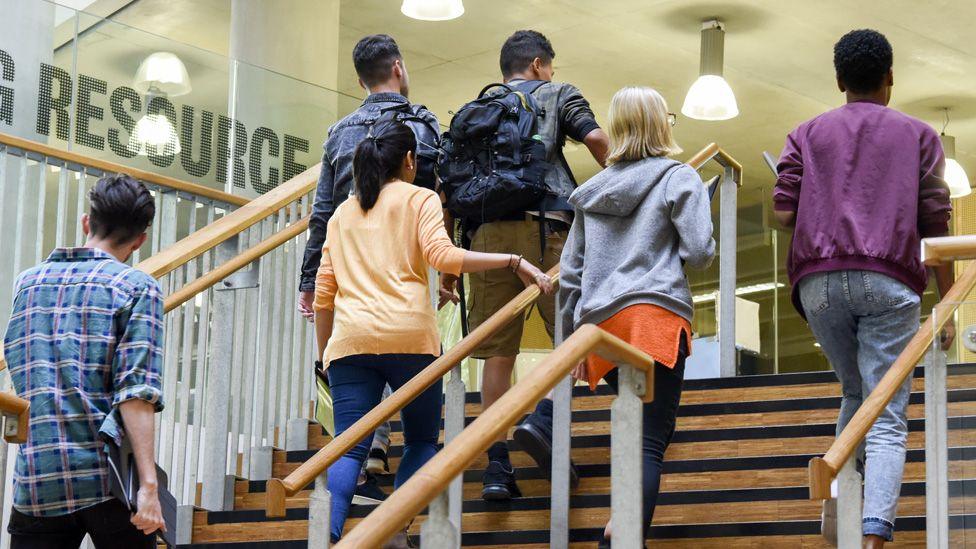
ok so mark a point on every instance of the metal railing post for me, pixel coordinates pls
(849, 501)
(319, 509)
(560, 488)
(216, 412)
(936, 451)
(726, 273)
(443, 525)
(626, 428)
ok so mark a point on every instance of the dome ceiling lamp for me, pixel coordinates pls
(432, 10)
(711, 97)
(955, 175)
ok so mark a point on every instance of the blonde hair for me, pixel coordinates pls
(639, 126)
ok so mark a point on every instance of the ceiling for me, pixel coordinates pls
(778, 60)
(778, 57)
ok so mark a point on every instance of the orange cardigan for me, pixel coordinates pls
(374, 273)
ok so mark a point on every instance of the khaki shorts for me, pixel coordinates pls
(491, 290)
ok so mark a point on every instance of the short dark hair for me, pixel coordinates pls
(862, 58)
(373, 58)
(522, 48)
(121, 208)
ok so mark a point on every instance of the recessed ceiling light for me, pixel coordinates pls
(432, 10)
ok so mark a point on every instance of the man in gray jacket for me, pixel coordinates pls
(383, 74)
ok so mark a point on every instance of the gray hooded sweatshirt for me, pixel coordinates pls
(636, 224)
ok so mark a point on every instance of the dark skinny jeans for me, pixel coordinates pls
(357, 384)
(659, 421)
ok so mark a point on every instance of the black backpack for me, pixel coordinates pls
(428, 151)
(492, 163)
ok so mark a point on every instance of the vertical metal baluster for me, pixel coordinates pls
(259, 425)
(236, 397)
(849, 505)
(298, 364)
(626, 428)
(217, 491)
(561, 438)
(41, 202)
(936, 448)
(158, 197)
(62, 222)
(319, 507)
(197, 393)
(22, 195)
(249, 343)
(274, 385)
(182, 416)
(726, 274)
(80, 206)
(296, 426)
(167, 236)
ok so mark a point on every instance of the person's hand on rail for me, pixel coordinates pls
(948, 334)
(530, 274)
(579, 372)
(448, 291)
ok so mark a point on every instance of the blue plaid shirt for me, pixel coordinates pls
(85, 335)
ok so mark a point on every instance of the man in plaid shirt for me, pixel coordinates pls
(84, 339)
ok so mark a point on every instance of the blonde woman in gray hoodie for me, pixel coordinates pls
(638, 224)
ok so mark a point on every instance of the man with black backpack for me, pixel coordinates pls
(383, 74)
(505, 177)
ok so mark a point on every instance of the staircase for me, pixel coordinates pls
(735, 475)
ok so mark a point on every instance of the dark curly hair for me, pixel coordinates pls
(862, 58)
(121, 208)
(522, 48)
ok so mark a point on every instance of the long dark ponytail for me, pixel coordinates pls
(378, 158)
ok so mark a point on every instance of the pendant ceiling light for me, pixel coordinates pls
(432, 10)
(955, 176)
(710, 97)
(162, 73)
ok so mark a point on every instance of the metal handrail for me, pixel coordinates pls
(432, 479)
(824, 469)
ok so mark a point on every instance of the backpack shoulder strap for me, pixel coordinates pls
(495, 85)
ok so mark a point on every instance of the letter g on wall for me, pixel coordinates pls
(6, 94)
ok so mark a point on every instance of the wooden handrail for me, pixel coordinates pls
(231, 224)
(433, 478)
(823, 470)
(106, 166)
(277, 490)
(711, 151)
(204, 282)
(944, 249)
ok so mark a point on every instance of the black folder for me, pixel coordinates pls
(124, 485)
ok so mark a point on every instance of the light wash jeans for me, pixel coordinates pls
(863, 320)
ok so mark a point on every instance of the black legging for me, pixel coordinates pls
(659, 421)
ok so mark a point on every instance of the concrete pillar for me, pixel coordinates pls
(277, 49)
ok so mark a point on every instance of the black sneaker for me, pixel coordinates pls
(377, 463)
(534, 437)
(369, 492)
(499, 483)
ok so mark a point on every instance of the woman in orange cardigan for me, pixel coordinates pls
(374, 319)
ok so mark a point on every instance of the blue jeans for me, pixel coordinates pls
(863, 320)
(357, 384)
